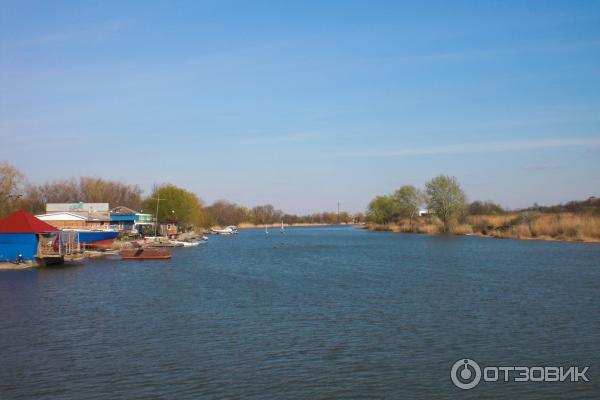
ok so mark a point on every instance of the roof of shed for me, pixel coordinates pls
(122, 210)
(23, 222)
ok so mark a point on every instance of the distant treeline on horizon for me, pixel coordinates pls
(16, 192)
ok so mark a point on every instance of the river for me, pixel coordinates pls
(315, 313)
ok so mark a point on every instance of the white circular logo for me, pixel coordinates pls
(465, 373)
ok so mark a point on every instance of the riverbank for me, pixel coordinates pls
(8, 266)
(524, 226)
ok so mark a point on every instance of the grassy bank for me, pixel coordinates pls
(530, 225)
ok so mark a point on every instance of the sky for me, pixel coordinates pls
(304, 104)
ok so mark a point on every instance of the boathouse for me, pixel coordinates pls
(23, 236)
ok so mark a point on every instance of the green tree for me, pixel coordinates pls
(408, 200)
(176, 204)
(445, 199)
(382, 209)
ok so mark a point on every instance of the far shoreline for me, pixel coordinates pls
(298, 225)
(394, 228)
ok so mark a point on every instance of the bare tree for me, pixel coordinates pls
(12, 185)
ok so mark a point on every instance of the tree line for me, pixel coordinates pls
(225, 213)
(442, 196)
(175, 203)
(16, 192)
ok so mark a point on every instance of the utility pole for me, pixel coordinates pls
(158, 199)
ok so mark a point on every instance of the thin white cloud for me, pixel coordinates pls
(82, 35)
(279, 139)
(467, 148)
(461, 55)
(542, 167)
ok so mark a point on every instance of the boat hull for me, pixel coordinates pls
(153, 253)
(97, 239)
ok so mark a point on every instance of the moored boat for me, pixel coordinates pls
(100, 239)
(146, 253)
(230, 230)
(181, 243)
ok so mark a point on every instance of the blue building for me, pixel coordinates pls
(125, 219)
(122, 218)
(20, 236)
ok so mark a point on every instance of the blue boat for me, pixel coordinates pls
(96, 239)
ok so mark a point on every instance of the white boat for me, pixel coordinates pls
(266, 229)
(225, 231)
(229, 230)
(180, 243)
(282, 229)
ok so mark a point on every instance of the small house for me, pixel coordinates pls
(144, 220)
(123, 218)
(168, 228)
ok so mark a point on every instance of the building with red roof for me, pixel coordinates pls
(20, 235)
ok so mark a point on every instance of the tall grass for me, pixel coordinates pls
(566, 226)
(556, 226)
(461, 229)
(483, 223)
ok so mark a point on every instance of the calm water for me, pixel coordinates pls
(315, 313)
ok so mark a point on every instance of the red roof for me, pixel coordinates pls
(23, 222)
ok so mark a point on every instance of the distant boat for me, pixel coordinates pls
(282, 229)
(101, 239)
(230, 230)
(266, 229)
(216, 231)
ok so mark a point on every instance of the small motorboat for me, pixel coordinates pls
(181, 243)
(230, 230)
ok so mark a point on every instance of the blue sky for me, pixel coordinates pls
(302, 104)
